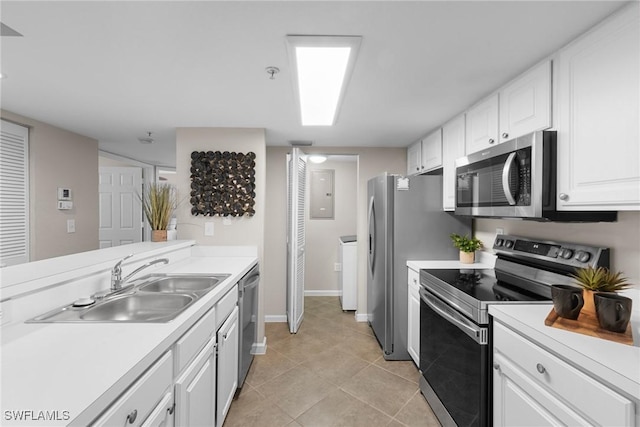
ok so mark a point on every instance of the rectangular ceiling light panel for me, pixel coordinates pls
(322, 67)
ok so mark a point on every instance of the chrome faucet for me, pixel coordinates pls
(116, 272)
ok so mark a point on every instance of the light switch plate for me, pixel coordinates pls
(71, 226)
(208, 228)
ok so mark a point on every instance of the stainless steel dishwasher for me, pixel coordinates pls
(248, 314)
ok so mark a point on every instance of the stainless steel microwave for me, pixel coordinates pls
(515, 179)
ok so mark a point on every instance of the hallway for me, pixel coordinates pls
(331, 373)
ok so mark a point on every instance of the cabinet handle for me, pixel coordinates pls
(540, 368)
(505, 135)
(563, 196)
(496, 366)
(417, 169)
(172, 409)
(491, 141)
(132, 416)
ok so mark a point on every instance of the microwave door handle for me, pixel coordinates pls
(506, 172)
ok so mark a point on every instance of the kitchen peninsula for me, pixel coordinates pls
(84, 372)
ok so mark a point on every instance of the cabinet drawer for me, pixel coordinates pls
(142, 397)
(194, 339)
(226, 305)
(591, 398)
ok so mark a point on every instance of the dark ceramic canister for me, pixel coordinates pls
(567, 300)
(613, 311)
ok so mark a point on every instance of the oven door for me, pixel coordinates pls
(454, 361)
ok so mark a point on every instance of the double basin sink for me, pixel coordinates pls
(153, 299)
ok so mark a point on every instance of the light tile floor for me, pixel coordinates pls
(331, 373)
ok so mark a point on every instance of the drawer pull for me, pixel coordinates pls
(540, 368)
(132, 416)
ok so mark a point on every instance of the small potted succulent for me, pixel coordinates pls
(467, 246)
(599, 279)
(158, 203)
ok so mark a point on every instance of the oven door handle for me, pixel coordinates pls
(477, 333)
(506, 172)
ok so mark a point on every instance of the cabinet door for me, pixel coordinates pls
(413, 324)
(162, 415)
(452, 148)
(196, 390)
(597, 117)
(432, 151)
(227, 365)
(525, 103)
(414, 158)
(519, 401)
(482, 125)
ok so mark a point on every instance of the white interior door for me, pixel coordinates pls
(120, 206)
(296, 177)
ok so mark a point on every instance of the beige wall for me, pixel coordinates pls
(371, 162)
(242, 231)
(59, 158)
(622, 237)
(322, 234)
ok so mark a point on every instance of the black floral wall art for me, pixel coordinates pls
(223, 183)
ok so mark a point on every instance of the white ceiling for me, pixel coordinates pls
(115, 70)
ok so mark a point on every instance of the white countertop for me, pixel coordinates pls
(611, 362)
(82, 368)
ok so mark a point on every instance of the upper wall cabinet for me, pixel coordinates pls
(525, 103)
(482, 125)
(425, 155)
(598, 90)
(452, 148)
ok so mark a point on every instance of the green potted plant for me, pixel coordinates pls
(159, 202)
(599, 279)
(467, 246)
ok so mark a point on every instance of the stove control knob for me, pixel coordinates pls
(508, 243)
(566, 253)
(499, 242)
(583, 256)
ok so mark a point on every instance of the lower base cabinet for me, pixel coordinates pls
(532, 387)
(413, 310)
(196, 391)
(227, 366)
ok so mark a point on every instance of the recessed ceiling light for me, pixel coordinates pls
(322, 67)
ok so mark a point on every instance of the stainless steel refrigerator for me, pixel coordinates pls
(406, 222)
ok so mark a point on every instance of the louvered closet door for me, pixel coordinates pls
(296, 179)
(14, 194)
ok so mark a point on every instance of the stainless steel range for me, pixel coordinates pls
(455, 328)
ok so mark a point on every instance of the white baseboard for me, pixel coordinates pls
(275, 318)
(362, 317)
(259, 348)
(334, 293)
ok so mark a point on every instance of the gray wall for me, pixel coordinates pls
(59, 158)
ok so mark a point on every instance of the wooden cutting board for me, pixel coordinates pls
(587, 324)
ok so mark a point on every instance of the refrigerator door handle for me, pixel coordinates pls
(372, 235)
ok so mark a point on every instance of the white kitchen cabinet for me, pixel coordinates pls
(142, 397)
(452, 148)
(414, 158)
(598, 87)
(162, 415)
(432, 151)
(413, 309)
(426, 154)
(195, 390)
(534, 387)
(227, 365)
(482, 125)
(525, 103)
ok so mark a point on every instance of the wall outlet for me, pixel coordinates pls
(208, 228)
(71, 226)
(499, 230)
(337, 266)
